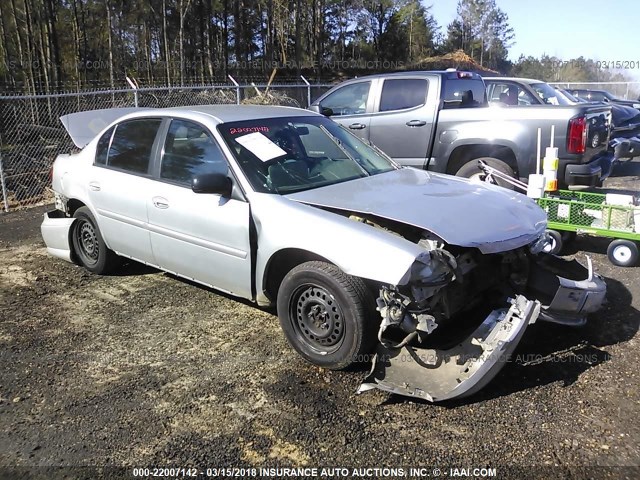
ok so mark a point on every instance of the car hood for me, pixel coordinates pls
(490, 218)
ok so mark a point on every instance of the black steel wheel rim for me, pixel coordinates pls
(317, 318)
(88, 241)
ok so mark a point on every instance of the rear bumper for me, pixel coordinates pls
(55, 229)
(586, 174)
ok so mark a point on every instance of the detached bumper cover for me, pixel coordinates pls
(437, 375)
(55, 229)
(574, 290)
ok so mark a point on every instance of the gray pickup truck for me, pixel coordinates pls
(441, 120)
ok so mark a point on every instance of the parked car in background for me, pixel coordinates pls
(284, 207)
(521, 91)
(513, 91)
(441, 121)
(602, 96)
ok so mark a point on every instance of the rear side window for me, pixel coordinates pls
(190, 150)
(132, 144)
(398, 94)
(103, 147)
(462, 93)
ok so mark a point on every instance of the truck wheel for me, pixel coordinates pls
(88, 245)
(325, 315)
(472, 171)
(623, 253)
(556, 243)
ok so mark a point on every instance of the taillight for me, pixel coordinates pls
(577, 136)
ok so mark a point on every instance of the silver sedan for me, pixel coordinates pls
(432, 278)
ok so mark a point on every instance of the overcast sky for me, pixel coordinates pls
(605, 30)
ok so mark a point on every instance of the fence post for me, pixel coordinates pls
(4, 185)
(237, 89)
(135, 91)
(308, 90)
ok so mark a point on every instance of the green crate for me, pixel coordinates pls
(586, 212)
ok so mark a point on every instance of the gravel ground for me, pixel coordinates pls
(144, 369)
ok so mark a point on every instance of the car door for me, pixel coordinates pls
(350, 106)
(401, 127)
(119, 183)
(204, 237)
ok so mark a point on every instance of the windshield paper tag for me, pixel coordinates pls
(260, 146)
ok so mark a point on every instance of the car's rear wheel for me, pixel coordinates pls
(473, 172)
(326, 315)
(623, 253)
(88, 245)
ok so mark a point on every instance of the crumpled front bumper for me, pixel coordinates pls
(437, 375)
(565, 292)
(55, 229)
(568, 290)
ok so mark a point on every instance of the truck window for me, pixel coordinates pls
(401, 93)
(348, 100)
(464, 93)
(509, 93)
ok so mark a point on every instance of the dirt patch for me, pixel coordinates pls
(141, 369)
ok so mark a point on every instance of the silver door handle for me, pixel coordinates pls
(357, 126)
(416, 123)
(160, 202)
(95, 186)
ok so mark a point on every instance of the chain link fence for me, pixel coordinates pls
(31, 135)
(624, 90)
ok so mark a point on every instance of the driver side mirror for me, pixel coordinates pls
(217, 183)
(326, 111)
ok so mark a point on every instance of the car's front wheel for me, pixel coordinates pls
(326, 315)
(88, 245)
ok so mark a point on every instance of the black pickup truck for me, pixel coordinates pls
(441, 120)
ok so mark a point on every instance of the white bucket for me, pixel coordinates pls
(535, 188)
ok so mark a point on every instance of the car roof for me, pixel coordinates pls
(408, 73)
(235, 113)
(515, 79)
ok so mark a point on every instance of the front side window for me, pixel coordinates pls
(348, 100)
(189, 150)
(132, 144)
(548, 94)
(398, 94)
(292, 154)
(511, 94)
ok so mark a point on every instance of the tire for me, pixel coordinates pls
(326, 315)
(595, 140)
(555, 247)
(472, 171)
(88, 246)
(623, 253)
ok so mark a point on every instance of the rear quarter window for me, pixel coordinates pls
(102, 148)
(464, 93)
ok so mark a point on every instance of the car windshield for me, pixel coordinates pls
(292, 154)
(548, 94)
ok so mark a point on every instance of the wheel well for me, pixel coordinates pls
(465, 153)
(281, 263)
(73, 205)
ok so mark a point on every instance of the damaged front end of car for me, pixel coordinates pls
(453, 325)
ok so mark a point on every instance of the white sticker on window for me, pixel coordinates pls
(258, 144)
